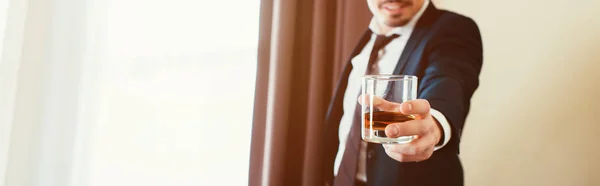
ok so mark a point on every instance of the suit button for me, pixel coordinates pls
(370, 154)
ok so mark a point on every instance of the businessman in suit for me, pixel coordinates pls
(444, 50)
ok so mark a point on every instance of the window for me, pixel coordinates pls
(176, 93)
(3, 8)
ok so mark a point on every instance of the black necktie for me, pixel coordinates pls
(380, 42)
(348, 167)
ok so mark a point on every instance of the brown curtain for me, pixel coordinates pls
(302, 48)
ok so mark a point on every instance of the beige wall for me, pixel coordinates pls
(536, 118)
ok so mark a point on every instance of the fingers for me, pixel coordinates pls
(416, 147)
(419, 106)
(409, 158)
(417, 154)
(408, 128)
(379, 103)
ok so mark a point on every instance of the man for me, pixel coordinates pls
(444, 50)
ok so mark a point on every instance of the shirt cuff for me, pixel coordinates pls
(437, 115)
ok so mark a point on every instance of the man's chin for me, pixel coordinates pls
(396, 22)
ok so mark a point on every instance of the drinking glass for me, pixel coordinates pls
(393, 88)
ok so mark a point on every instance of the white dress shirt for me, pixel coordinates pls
(387, 63)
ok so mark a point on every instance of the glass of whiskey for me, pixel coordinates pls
(381, 88)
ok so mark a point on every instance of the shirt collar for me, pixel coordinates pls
(401, 29)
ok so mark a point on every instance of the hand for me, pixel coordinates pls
(426, 130)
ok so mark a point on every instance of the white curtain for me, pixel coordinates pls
(126, 92)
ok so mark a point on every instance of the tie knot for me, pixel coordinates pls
(384, 37)
(382, 40)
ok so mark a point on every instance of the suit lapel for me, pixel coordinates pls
(417, 35)
(335, 106)
(364, 39)
(335, 110)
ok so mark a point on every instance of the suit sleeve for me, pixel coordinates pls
(454, 58)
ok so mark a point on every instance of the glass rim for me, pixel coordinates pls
(390, 77)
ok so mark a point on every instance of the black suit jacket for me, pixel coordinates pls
(445, 52)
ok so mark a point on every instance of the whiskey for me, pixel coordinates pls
(382, 118)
